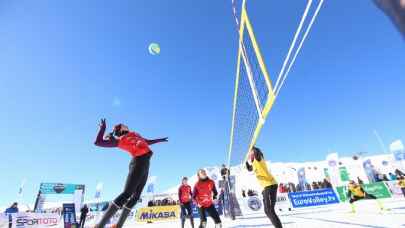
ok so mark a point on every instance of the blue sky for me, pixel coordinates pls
(65, 65)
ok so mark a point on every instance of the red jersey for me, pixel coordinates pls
(205, 192)
(185, 194)
(134, 144)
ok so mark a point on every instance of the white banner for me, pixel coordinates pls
(35, 220)
(395, 189)
(254, 204)
(3, 220)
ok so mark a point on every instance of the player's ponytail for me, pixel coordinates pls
(257, 153)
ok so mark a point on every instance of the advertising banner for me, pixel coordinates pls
(69, 215)
(197, 215)
(254, 204)
(313, 198)
(395, 189)
(59, 188)
(35, 220)
(344, 174)
(378, 189)
(161, 213)
(4, 220)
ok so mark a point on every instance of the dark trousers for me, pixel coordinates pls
(82, 221)
(403, 191)
(212, 212)
(366, 196)
(269, 202)
(186, 210)
(136, 180)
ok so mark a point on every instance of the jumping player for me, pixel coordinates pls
(138, 148)
(205, 193)
(257, 164)
(356, 192)
(185, 198)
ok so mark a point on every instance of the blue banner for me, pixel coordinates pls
(313, 198)
(59, 188)
(69, 215)
(196, 214)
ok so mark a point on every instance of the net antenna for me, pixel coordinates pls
(252, 72)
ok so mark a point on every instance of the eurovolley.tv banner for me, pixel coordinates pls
(313, 198)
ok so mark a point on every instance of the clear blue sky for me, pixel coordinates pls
(66, 64)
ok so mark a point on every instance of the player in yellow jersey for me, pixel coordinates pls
(356, 192)
(257, 164)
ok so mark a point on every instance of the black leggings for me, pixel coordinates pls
(367, 196)
(211, 212)
(136, 180)
(82, 221)
(186, 210)
(269, 201)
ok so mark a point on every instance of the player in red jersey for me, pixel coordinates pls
(205, 194)
(185, 198)
(138, 148)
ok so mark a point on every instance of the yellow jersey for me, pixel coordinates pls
(356, 190)
(262, 173)
(401, 183)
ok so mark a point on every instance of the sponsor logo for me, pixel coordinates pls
(59, 188)
(157, 215)
(23, 221)
(254, 203)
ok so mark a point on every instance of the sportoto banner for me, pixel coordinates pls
(313, 198)
(153, 214)
(378, 189)
(35, 220)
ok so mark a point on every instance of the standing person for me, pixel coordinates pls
(11, 210)
(356, 192)
(225, 173)
(83, 214)
(401, 183)
(185, 198)
(205, 194)
(257, 164)
(138, 148)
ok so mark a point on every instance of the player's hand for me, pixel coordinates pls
(103, 123)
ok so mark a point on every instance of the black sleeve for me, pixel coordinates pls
(214, 190)
(249, 167)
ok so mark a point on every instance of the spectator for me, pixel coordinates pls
(327, 183)
(393, 177)
(360, 181)
(399, 172)
(83, 214)
(225, 172)
(243, 193)
(9, 211)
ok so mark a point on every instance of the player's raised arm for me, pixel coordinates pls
(153, 141)
(100, 141)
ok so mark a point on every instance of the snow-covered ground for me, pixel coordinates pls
(339, 216)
